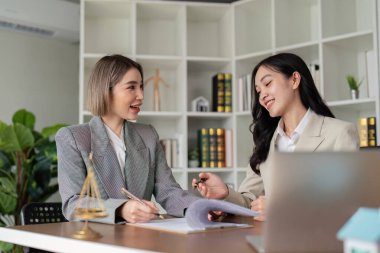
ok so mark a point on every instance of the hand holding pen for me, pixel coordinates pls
(138, 210)
(210, 186)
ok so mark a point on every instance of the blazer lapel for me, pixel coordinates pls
(311, 137)
(105, 163)
(137, 160)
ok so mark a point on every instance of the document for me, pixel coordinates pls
(196, 218)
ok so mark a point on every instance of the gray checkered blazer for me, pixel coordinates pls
(147, 171)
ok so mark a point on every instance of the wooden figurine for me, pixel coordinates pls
(156, 93)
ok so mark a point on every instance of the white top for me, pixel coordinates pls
(119, 147)
(288, 144)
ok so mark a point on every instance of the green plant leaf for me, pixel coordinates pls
(5, 246)
(8, 196)
(24, 136)
(51, 130)
(8, 139)
(25, 118)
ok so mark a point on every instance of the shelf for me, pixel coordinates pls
(208, 31)
(243, 114)
(359, 41)
(346, 16)
(217, 115)
(353, 105)
(159, 29)
(198, 170)
(99, 17)
(253, 20)
(288, 28)
(153, 114)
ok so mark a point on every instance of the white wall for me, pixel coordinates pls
(41, 75)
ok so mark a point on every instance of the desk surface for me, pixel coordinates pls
(124, 238)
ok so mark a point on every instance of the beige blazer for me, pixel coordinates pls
(321, 134)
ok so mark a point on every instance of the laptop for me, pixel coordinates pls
(312, 195)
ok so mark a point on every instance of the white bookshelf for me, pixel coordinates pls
(190, 42)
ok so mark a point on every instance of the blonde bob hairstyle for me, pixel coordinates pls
(108, 71)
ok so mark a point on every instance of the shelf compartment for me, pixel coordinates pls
(159, 29)
(253, 27)
(208, 31)
(346, 16)
(172, 72)
(300, 28)
(199, 82)
(343, 57)
(244, 141)
(107, 27)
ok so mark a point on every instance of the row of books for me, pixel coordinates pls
(215, 147)
(367, 132)
(222, 92)
(171, 149)
(244, 93)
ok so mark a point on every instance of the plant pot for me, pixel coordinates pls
(193, 163)
(354, 94)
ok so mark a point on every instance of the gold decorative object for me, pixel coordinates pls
(89, 205)
(156, 93)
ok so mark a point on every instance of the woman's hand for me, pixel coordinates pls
(134, 212)
(259, 206)
(211, 186)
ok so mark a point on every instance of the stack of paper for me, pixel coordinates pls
(196, 219)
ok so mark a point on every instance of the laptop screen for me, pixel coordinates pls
(311, 196)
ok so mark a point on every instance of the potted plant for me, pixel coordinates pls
(354, 86)
(193, 158)
(28, 162)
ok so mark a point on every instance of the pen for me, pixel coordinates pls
(201, 180)
(131, 196)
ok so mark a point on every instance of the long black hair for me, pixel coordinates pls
(263, 125)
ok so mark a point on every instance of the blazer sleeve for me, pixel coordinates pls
(348, 139)
(251, 187)
(167, 191)
(71, 175)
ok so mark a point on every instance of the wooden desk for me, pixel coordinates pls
(124, 238)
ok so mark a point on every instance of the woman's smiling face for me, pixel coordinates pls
(276, 91)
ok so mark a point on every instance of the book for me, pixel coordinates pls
(167, 147)
(220, 148)
(196, 218)
(203, 146)
(227, 92)
(228, 147)
(218, 93)
(363, 132)
(213, 152)
(372, 132)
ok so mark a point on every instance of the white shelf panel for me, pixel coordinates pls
(263, 54)
(153, 114)
(243, 114)
(359, 41)
(354, 105)
(217, 115)
(223, 170)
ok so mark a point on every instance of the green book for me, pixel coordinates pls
(227, 92)
(204, 150)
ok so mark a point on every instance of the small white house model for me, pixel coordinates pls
(200, 104)
(361, 233)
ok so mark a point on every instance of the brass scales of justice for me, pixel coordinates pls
(89, 205)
